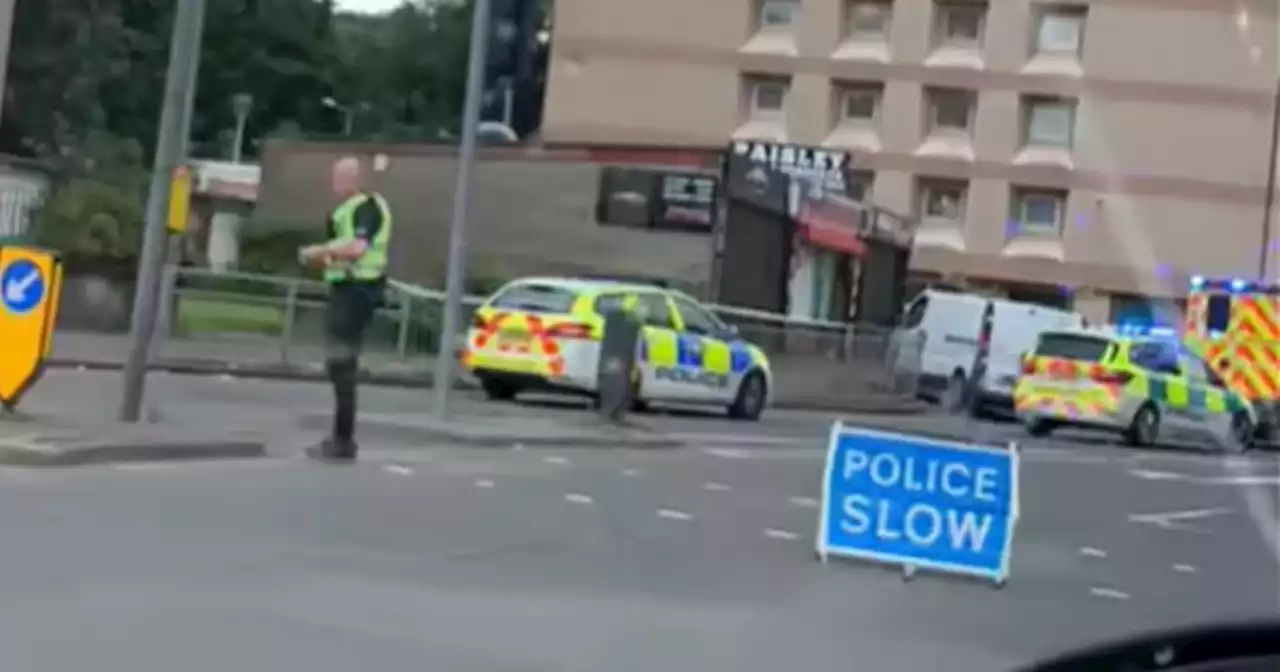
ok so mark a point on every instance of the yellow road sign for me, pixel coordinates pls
(179, 199)
(30, 286)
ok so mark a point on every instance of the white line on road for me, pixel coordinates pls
(576, 498)
(781, 534)
(555, 459)
(517, 446)
(484, 483)
(226, 378)
(712, 486)
(1109, 593)
(398, 469)
(1149, 475)
(672, 514)
(804, 502)
(631, 473)
(1173, 519)
(1184, 569)
(1242, 480)
(1091, 552)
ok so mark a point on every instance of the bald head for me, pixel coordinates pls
(346, 178)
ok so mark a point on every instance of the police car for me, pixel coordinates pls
(544, 333)
(1142, 384)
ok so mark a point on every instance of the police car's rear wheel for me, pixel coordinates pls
(1145, 427)
(749, 403)
(497, 389)
(1242, 434)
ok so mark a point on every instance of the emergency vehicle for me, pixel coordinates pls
(1234, 325)
(1143, 384)
(544, 333)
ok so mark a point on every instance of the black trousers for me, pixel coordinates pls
(352, 305)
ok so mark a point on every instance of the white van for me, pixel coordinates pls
(950, 324)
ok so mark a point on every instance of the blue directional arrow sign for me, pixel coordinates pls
(22, 286)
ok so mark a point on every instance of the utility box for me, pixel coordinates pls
(615, 374)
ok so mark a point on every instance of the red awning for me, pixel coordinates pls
(831, 227)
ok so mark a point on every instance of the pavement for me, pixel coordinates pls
(803, 382)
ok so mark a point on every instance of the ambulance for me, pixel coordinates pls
(1234, 324)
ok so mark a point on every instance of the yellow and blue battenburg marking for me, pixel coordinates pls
(691, 353)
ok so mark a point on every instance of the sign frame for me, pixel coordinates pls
(909, 565)
(45, 310)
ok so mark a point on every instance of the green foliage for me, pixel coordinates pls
(90, 221)
(274, 252)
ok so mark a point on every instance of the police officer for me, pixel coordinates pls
(354, 261)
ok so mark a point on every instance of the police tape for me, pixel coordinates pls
(919, 503)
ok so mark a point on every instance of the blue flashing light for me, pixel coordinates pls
(1239, 285)
(1144, 330)
(1197, 282)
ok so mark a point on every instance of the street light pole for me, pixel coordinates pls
(446, 357)
(241, 103)
(175, 125)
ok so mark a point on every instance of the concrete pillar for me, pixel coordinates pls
(6, 31)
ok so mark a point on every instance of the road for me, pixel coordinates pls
(451, 558)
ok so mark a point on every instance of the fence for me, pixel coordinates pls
(281, 319)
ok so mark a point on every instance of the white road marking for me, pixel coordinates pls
(1184, 569)
(804, 502)
(518, 446)
(555, 459)
(576, 498)
(632, 473)
(672, 514)
(398, 469)
(781, 534)
(484, 483)
(1149, 475)
(1173, 520)
(1091, 552)
(714, 487)
(226, 378)
(1108, 593)
(1243, 479)
(728, 453)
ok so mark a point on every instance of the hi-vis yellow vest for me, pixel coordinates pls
(373, 263)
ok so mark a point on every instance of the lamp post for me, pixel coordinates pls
(241, 103)
(348, 116)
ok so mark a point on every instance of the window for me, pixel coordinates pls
(1061, 31)
(535, 298)
(778, 14)
(961, 23)
(942, 199)
(858, 185)
(1217, 314)
(654, 311)
(768, 97)
(608, 303)
(859, 103)
(697, 319)
(1156, 356)
(950, 109)
(1049, 121)
(914, 316)
(868, 19)
(1038, 211)
(1076, 347)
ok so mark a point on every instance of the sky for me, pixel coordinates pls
(368, 5)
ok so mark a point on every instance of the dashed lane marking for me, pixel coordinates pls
(804, 502)
(673, 514)
(556, 459)
(576, 498)
(1091, 552)
(1184, 569)
(781, 534)
(1108, 593)
(398, 469)
(484, 483)
(712, 486)
(631, 473)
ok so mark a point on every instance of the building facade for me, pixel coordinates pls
(1103, 149)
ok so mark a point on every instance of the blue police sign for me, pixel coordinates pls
(22, 286)
(919, 503)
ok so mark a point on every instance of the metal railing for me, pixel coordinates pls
(281, 319)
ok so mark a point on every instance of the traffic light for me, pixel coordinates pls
(516, 65)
